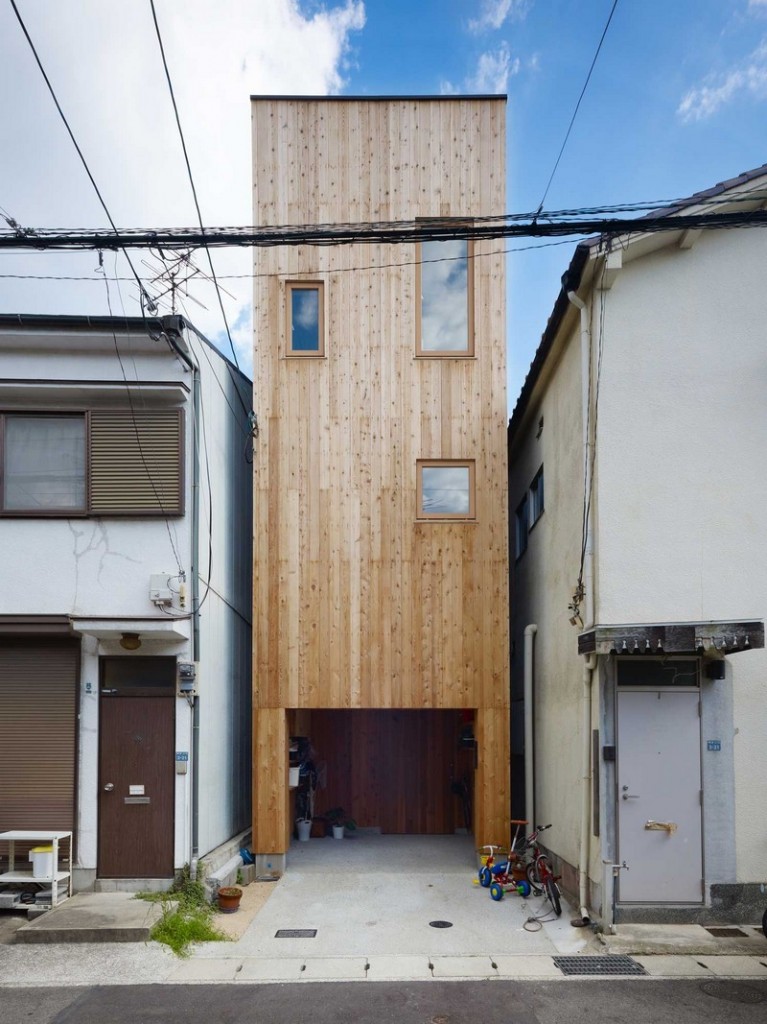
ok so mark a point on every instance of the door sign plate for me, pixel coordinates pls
(137, 800)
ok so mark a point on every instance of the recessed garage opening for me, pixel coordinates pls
(398, 771)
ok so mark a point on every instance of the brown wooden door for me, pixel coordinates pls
(136, 787)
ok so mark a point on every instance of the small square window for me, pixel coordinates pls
(521, 528)
(306, 314)
(536, 497)
(446, 490)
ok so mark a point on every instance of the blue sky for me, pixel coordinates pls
(677, 102)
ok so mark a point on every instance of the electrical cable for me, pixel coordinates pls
(191, 179)
(577, 106)
(138, 438)
(72, 137)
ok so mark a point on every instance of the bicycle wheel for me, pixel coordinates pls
(533, 878)
(552, 895)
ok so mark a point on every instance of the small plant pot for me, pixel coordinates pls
(304, 827)
(229, 897)
(338, 831)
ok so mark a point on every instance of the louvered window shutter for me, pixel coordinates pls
(136, 460)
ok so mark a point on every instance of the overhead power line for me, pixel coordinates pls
(84, 162)
(393, 233)
(191, 179)
(577, 105)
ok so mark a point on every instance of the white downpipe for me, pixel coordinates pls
(589, 661)
(530, 632)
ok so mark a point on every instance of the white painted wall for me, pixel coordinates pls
(101, 567)
(679, 506)
(682, 490)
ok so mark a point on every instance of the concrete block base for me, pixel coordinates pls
(270, 865)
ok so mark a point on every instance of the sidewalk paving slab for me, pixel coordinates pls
(266, 969)
(463, 967)
(335, 968)
(521, 966)
(399, 968)
(205, 971)
(736, 966)
(668, 966)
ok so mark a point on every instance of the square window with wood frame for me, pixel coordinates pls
(445, 290)
(306, 318)
(99, 462)
(446, 489)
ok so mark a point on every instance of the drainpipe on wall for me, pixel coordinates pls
(530, 632)
(589, 661)
(172, 326)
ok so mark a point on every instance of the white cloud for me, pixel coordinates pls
(494, 13)
(749, 78)
(491, 75)
(104, 62)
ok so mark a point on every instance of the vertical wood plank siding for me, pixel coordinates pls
(357, 604)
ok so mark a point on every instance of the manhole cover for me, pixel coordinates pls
(598, 965)
(440, 924)
(732, 992)
(295, 933)
(727, 933)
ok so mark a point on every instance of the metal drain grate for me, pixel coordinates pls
(727, 933)
(598, 965)
(295, 933)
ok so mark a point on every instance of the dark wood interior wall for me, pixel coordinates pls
(392, 768)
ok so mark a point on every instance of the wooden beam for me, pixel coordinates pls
(271, 825)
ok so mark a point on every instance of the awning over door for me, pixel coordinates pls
(709, 639)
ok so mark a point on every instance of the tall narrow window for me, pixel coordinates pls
(536, 497)
(445, 312)
(521, 527)
(446, 490)
(305, 319)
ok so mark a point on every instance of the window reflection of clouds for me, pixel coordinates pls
(445, 489)
(444, 296)
(305, 319)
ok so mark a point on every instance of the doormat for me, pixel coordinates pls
(296, 933)
(598, 965)
(727, 933)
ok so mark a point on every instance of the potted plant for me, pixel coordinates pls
(337, 819)
(229, 897)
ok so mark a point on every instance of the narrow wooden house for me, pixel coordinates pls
(381, 536)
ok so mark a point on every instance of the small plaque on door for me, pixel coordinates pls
(137, 799)
(136, 790)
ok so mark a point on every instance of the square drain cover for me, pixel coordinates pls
(727, 933)
(295, 933)
(598, 965)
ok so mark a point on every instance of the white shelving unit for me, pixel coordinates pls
(54, 839)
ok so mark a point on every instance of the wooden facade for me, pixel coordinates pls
(358, 604)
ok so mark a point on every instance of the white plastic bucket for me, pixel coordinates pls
(42, 861)
(304, 830)
(338, 831)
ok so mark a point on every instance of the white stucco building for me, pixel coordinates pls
(125, 530)
(639, 582)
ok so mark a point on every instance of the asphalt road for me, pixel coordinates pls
(633, 1001)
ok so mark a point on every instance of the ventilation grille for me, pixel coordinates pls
(598, 965)
(135, 462)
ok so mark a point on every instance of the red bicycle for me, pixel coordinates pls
(539, 873)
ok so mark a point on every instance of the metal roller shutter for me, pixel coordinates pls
(38, 733)
(136, 462)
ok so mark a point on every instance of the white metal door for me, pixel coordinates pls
(659, 801)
